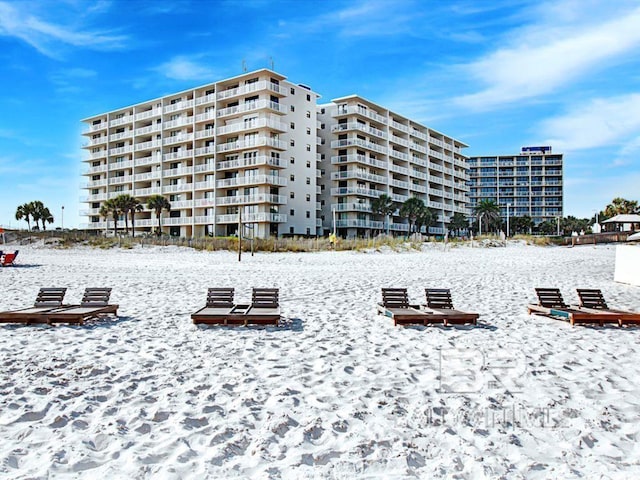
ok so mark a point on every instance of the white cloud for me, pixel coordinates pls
(183, 68)
(601, 122)
(549, 54)
(45, 36)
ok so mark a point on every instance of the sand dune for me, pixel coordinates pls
(335, 392)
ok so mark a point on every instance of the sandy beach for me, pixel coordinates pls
(336, 391)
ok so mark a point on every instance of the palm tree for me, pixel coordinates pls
(489, 211)
(25, 211)
(131, 205)
(111, 207)
(36, 212)
(458, 222)
(412, 209)
(383, 205)
(620, 206)
(425, 219)
(158, 203)
(45, 216)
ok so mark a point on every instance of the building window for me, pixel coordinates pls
(292, 195)
(292, 143)
(308, 214)
(292, 178)
(308, 181)
(308, 114)
(292, 160)
(308, 197)
(293, 91)
(322, 112)
(293, 109)
(292, 212)
(322, 188)
(308, 147)
(293, 126)
(308, 231)
(291, 230)
(308, 97)
(308, 131)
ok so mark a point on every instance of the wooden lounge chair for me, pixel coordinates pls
(439, 304)
(48, 299)
(551, 304)
(218, 308)
(264, 308)
(592, 301)
(395, 305)
(94, 304)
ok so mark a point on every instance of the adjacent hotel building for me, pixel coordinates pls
(259, 147)
(367, 150)
(529, 183)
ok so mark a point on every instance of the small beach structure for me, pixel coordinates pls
(264, 308)
(395, 305)
(552, 305)
(47, 300)
(7, 259)
(592, 301)
(439, 304)
(94, 304)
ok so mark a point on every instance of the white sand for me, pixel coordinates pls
(338, 392)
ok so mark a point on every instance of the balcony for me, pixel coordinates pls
(121, 121)
(203, 117)
(356, 223)
(337, 160)
(148, 129)
(210, 98)
(399, 126)
(174, 107)
(367, 192)
(251, 106)
(359, 174)
(177, 172)
(98, 169)
(248, 199)
(182, 187)
(121, 179)
(178, 139)
(148, 145)
(178, 122)
(345, 127)
(398, 169)
(253, 143)
(206, 133)
(185, 153)
(252, 180)
(95, 183)
(95, 128)
(121, 150)
(148, 114)
(250, 162)
(259, 217)
(356, 142)
(210, 150)
(119, 136)
(398, 154)
(204, 202)
(399, 198)
(399, 184)
(250, 88)
(145, 192)
(139, 177)
(365, 112)
(268, 122)
(351, 207)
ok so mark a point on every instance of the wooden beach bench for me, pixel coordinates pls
(48, 299)
(218, 308)
(94, 304)
(439, 304)
(592, 301)
(552, 305)
(395, 305)
(264, 308)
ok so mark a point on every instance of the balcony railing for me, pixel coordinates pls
(255, 142)
(253, 218)
(250, 88)
(250, 162)
(247, 199)
(253, 124)
(252, 180)
(250, 106)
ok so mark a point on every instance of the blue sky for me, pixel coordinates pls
(497, 75)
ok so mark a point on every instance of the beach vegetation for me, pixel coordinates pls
(488, 212)
(458, 222)
(412, 209)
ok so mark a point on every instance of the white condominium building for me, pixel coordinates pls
(241, 146)
(367, 150)
(526, 184)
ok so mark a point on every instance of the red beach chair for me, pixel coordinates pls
(7, 259)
